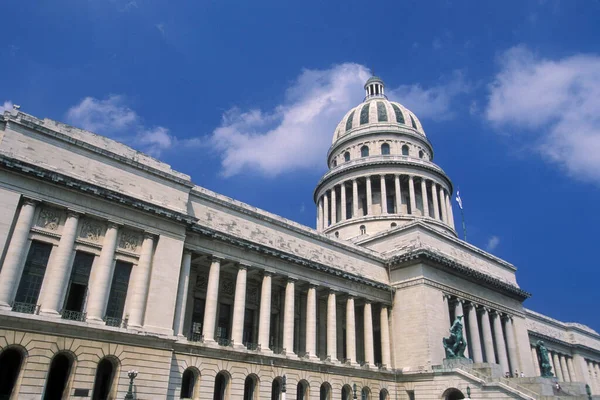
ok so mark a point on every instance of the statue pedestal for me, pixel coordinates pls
(457, 362)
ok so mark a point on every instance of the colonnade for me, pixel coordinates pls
(562, 365)
(593, 371)
(393, 194)
(264, 328)
(490, 334)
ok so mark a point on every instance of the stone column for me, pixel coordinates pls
(458, 310)
(102, 271)
(11, 272)
(488, 341)
(141, 281)
(581, 370)
(571, 369)
(264, 322)
(398, 194)
(212, 300)
(384, 209)
(182, 292)
(343, 201)
(474, 334)
(331, 327)
(434, 198)
(500, 345)
(536, 362)
(59, 271)
(511, 342)
(311, 322)
(325, 210)
(368, 336)
(369, 197)
(386, 358)
(443, 206)
(350, 331)
(320, 215)
(288, 318)
(239, 307)
(354, 198)
(596, 376)
(449, 211)
(557, 369)
(424, 196)
(593, 378)
(333, 206)
(411, 193)
(563, 368)
(551, 362)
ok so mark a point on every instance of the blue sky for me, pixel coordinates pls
(244, 97)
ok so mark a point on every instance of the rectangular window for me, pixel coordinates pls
(78, 283)
(223, 323)
(118, 290)
(33, 276)
(197, 319)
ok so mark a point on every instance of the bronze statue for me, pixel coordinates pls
(545, 367)
(455, 344)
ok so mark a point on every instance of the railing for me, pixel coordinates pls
(26, 308)
(251, 346)
(278, 350)
(116, 322)
(224, 341)
(73, 315)
(196, 337)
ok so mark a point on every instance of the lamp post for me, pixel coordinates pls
(468, 392)
(354, 389)
(131, 374)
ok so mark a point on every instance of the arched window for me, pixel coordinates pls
(11, 360)
(334, 163)
(221, 383)
(276, 388)
(385, 149)
(337, 234)
(347, 156)
(404, 150)
(103, 383)
(325, 391)
(364, 151)
(302, 390)
(346, 392)
(412, 120)
(365, 394)
(363, 230)
(383, 395)
(250, 385)
(188, 383)
(421, 154)
(58, 377)
(453, 394)
(393, 225)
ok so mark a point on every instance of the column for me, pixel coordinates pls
(581, 370)
(551, 362)
(141, 281)
(449, 210)
(264, 322)
(500, 346)
(596, 376)
(458, 311)
(288, 318)
(557, 368)
(474, 334)
(434, 197)
(425, 199)
(368, 335)
(354, 198)
(443, 206)
(102, 272)
(59, 271)
(182, 292)
(325, 210)
(369, 197)
(320, 215)
(563, 367)
(386, 358)
(488, 341)
(311, 322)
(333, 206)
(212, 298)
(511, 342)
(398, 196)
(536, 361)
(331, 327)
(350, 331)
(343, 200)
(571, 369)
(411, 193)
(13, 263)
(384, 209)
(239, 307)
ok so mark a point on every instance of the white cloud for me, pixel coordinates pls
(492, 243)
(6, 106)
(557, 102)
(112, 117)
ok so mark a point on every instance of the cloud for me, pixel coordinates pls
(555, 102)
(6, 106)
(113, 117)
(492, 243)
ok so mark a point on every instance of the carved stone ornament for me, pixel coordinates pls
(129, 241)
(252, 295)
(91, 230)
(227, 287)
(201, 281)
(49, 219)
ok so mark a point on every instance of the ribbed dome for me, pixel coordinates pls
(378, 112)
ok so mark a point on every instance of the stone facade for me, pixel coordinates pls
(113, 262)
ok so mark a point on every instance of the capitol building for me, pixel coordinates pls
(121, 278)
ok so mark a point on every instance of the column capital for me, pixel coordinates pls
(312, 285)
(114, 225)
(187, 251)
(267, 273)
(290, 279)
(73, 213)
(148, 235)
(242, 266)
(215, 258)
(31, 202)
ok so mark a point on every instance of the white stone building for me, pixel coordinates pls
(111, 262)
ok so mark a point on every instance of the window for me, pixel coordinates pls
(197, 320)
(404, 150)
(393, 225)
(346, 392)
(364, 114)
(118, 293)
(334, 163)
(325, 391)
(11, 360)
(347, 156)
(421, 153)
(188, 383)
(364, 151)
(302, 390)
(221, 383)
(383, 395)
(250, 387)
(365, 394)
(248, 334)
(381, 112)
(104, 380)
(33, 276)
(224, 324)
(385, 149)
(276, 389)
(78, 285)
(337, 234)
(349, 121)
(363, 230)
(412, 120)
(58, 377)
(399, 115)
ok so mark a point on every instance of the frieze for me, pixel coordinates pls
(49, 218)
(130, 241)
(91, 230)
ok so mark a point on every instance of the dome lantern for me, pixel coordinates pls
(374, 87)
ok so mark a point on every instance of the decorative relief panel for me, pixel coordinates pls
(91, 230)
(227, 287)
(252, 295)
(201, 282)
(130, 241)
(49, 218)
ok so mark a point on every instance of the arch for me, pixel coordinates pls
(189, 383)
(399, 115)
(365, 393)
(364, 151)
(251, 387)
(58, 376)
(385, 149)
(302, 390)
(364, 114)
(11, 361)
(404, 150)
(381, 112)
(421, 154)
(349, 121)
(383, 394)
(334, 163)
(393, 225)
(106, 371)
(276, 388)
(363, 230)
(413, 123)
(325, 391)
(453, 394)
(347, 392)
(347, 156)
(221, 391)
